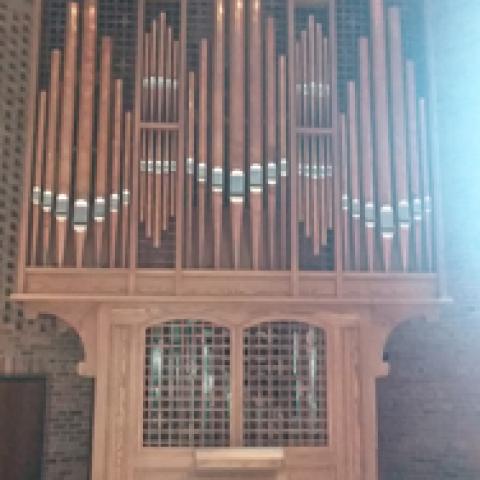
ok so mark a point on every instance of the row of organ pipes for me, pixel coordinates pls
(66, 229)
(238, 115)
(386, 180)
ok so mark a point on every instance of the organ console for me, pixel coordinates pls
(240, 207)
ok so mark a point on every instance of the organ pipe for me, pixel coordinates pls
(282, 92)
(382, 128)
(37, 179)
(367, 151)
(102, 147)
(413, 154)
(202, 148)
(126, 187)
(115, 178)
(84, 158)
(399, 136)
(62, 204)
(189, 169)
(237, 126)
(51, 157)
(256, 137)
(271, 140)
(427, 186)
(218, 130)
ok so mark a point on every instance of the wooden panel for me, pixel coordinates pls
(87, 282)
(317, 285)
(392, 287)
(218, 283)
(155, 283)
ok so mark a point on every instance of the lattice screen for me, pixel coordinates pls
(15, 31)
(285, 401)
(187, 385)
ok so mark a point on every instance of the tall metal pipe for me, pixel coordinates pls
(174, 135)
(271, 140)
(413, 155)
(354, 170)
(103, 141)
(218, 126)
(51, 159)
(202, 147)
(282, 93)
(115, 204)
(62, 204)
(126, 190)
(399, 134)
(367, 151)
(236, 134)
(327, 115)
(427, 184)
(345, 197)
(167, 184)
(256, 132)
(382, 128)
(84, 157)
(38, 173)
(189, 172)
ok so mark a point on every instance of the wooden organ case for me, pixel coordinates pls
(235, 248)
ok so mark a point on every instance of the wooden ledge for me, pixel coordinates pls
(239, 459)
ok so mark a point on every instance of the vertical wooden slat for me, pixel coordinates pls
(153, 90)
(271, 139)
(38, 173)
(84, 157)
(399, 135)
(382, 127)
(51, 158)
(256, 133)
(367, 151)
(145, 67)
(115, 178)
(304, 180)
(103, 141)
(150, 134)
(67, 130)
(282, 93)
(237, 125)
(202, 148)
(126, 190)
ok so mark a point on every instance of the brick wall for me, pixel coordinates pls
(429, 406)
(43, 347)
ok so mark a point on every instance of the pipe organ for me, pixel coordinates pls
(241, 133)
(235, 245)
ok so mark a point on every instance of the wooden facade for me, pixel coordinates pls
(236, 194)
